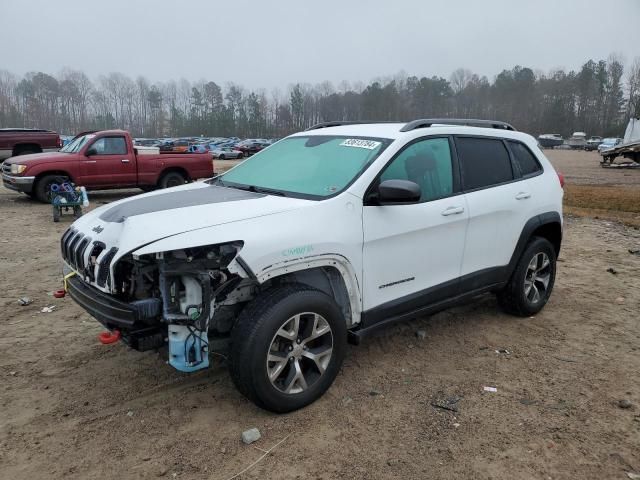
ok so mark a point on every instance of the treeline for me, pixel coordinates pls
(598, 99)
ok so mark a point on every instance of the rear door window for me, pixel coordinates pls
(526, 161)
(483, 162)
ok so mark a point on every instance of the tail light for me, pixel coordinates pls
(561, 178)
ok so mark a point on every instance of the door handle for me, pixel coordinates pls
(125, 160)
(523, 196)
(90, 161)
(452, 211)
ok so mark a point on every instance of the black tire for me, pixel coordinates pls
(24, 152)
(221, 157)
(172, 179)
(254, 332)
(519, 296)
(42, 188)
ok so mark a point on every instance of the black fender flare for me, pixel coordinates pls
(533, 224)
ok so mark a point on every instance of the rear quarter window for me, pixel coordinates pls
(483, 162)
(525, 159)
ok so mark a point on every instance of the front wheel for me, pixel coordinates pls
(287, 347)
(42, 188)
(532, 281)
(221, 157)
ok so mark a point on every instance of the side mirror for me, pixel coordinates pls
(400, 192)
(91, 151)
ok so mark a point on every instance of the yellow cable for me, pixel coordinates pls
(65, 278)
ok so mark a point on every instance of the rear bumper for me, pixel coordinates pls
(19, 184)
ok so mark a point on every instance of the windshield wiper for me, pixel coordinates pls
(251, 188)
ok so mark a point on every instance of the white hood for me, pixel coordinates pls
(131, 223)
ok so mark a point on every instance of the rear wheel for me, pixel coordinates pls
(221, 157)
(287, 347)
(172, 179)
(42, 188)
(532, 281)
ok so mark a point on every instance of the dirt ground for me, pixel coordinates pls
(73, 408)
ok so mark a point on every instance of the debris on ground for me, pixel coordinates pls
(612, 270)
(421, 334)
(130, 413)
(503, 350)
(624, 403)
(446, 403)
(634, 252)
(48, 309)
(24, 301)
(250, 436)
(490, 389)
(528, 401)
(620, 300)
(633, 475)
(375, 393)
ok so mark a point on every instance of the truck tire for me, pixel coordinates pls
(287, 347)
(26, 151)
(532, 281)
(172, 179)
(42, 188)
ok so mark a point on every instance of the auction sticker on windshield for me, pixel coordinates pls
(359, 143)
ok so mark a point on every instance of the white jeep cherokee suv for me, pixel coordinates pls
(321, 238)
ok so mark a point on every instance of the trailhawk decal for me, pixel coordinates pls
(355, 142)
(297, 251)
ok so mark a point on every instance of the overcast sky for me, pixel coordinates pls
(275, 43)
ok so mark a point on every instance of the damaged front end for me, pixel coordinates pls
(176, 299)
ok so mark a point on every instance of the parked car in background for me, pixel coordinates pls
(249, 148)
(23, 141)
(65, 139)
(146, 142)
(226, 153)
(609, 143)
(103, 160)
(592, 143)
(198, 148)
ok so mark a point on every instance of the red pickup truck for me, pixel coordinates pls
(100, 161)
(22, 141)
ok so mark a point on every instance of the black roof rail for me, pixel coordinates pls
(338, 123)
(469, 122)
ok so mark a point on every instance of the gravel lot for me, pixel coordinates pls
(72, 408)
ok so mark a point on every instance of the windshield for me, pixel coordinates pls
(311, 166)
(77, 144)
(609, 140)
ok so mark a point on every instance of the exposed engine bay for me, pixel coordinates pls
(183, 297)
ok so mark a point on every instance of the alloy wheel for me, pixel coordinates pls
(299, 353)
(537, 278)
